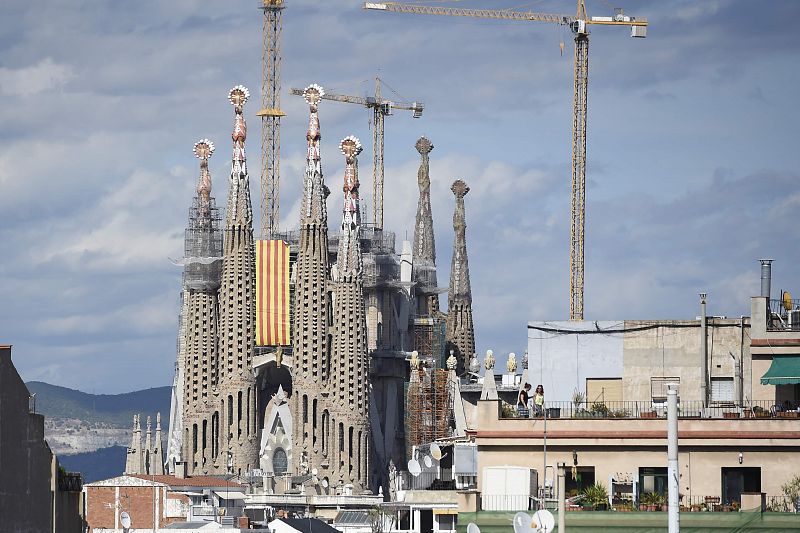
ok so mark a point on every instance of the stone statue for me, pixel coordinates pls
(525, 360)
(474, 364)
(488, 362)
(414, 360)
(511, 364)
(452, 362)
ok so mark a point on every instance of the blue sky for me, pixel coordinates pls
(692, 159)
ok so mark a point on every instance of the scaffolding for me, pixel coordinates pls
(429, 398)
(202, 261)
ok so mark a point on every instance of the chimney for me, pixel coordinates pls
(180, 469)
(766, 278)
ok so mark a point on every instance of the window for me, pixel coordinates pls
(660, 385)
(735, 481)
(280, 463)
(653, 479)
(722, 390)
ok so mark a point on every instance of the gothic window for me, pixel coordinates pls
(314, 421)
(239, 415)
(248, 410)
(305, 409)
(325, 428)
(230, 412)
(280, 463)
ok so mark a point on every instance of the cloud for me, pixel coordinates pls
(44, 76)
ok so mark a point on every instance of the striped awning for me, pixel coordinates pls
(272, 293)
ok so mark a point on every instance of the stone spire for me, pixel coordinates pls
(199, 420)
(235, 384)
(348, 259)
(424, 242)
(133, 460)
(460, 331)
(313, 432)
(148, 447)
(348, 398)
(157, 454)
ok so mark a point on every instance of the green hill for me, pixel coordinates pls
(111, 410)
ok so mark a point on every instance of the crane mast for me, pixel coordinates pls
(271, 114)
(381, 107)
(579, 26)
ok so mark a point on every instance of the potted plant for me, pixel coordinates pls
(648, 414)
(651, 501)
(597, 496)
(748, 413)
(730, 414)
(760, 412)
(791, 490)
(599, 410)
(577, 401)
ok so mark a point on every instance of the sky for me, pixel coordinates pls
(691, 159)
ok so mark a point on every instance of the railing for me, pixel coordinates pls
(645, 410)
(507, 502)
(782, 319)
(70, 481)
(426, 480)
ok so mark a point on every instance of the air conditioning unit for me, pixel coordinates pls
(794, 319)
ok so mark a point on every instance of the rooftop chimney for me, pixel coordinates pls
(766, 277)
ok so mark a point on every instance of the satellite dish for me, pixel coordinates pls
(436, 451)
(414, 468)
(125, 519)
(787, 300)
(427, 461)
(545, 519)
(473, 528)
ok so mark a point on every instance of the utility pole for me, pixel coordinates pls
(672, 459)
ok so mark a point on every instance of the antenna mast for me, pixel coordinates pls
(271, 114)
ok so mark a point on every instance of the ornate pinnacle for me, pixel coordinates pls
(423, 146)
(349, 257)
(314, 190)
(313, 94)
(203, 149)
(459, 188)
(237, 97)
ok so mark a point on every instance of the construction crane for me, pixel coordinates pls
(271, 114)
(579, 24)
(381, 108)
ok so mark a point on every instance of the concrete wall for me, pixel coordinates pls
(25, 458)
(626, 445)
(563, 362)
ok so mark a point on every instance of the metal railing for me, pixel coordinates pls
(646, 410)
(782, 319)
(507, 502)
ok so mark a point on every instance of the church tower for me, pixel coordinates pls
(235, 395)
(202, 256)
(312, 428)
(424, 241)
(348, 398)
(460, 330)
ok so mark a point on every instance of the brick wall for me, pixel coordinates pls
(137, 501)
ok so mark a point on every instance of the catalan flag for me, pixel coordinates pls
(272, 294)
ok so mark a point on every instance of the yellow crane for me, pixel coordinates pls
(579, 24)
(271, 114)
(381, 107)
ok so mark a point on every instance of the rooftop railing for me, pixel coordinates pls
(647, 410)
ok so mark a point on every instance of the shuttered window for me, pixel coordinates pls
(722, 390)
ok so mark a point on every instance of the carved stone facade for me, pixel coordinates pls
(145, 457)
(311, 339)
(329, 405)
(460, 329)
(217, 430)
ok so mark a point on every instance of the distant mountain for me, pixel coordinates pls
(107, 410)
(100, 464)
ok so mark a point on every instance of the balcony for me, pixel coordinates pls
(653, 410)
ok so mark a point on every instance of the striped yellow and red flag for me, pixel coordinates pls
(272, 293)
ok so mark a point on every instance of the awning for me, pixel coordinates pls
(230, 494)
(445, 511)
(785, 370)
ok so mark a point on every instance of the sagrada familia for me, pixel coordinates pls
(323, 397)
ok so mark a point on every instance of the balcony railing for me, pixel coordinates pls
(784, 315)
(645, 410)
